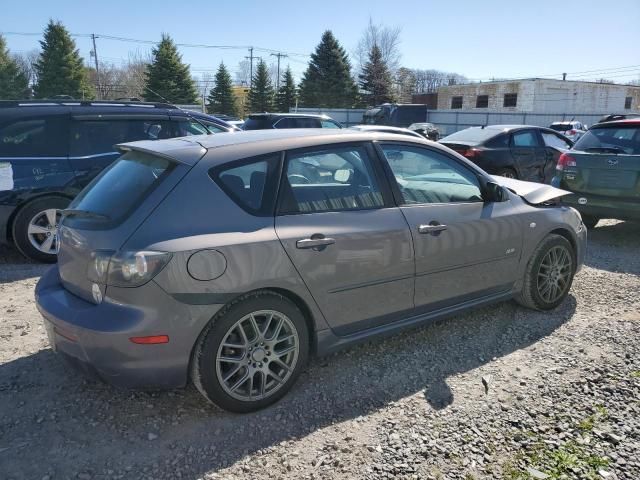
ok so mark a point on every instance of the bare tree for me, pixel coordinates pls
(26, 61)
(428, 81)
(243, 73)
(388, 41)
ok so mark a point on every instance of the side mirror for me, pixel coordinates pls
(494, 193)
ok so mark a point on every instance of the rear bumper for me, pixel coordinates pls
(603, 207)
(97, 337)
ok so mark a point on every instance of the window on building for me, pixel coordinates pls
(456, 102)
(482, 101)
(510, 99)
(627, 103)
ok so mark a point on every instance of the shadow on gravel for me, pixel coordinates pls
(624, 237)
(48, 411)
(14, 267)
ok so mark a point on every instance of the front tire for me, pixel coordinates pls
(549, 274)
(35, 228)
(251, 353)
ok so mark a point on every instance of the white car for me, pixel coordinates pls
(573, 129)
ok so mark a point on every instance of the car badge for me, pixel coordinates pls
(612, 162)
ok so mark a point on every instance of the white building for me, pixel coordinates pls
(537, 95)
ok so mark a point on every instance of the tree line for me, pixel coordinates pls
(329, 80)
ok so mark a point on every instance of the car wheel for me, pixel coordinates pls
(589, 221)
(549, 274)
(507, 172)
(35, 228)
(251, 354)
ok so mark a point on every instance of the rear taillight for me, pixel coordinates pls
(471, 153)
(126, 269)
(572, 132)
(565, 161)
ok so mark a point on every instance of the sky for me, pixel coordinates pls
(587, 39)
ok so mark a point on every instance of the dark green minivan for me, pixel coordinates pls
(603, 172)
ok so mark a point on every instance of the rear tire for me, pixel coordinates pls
(549, 274)
(589, 221)
(35, 228)
(507, 172)
(246, 341)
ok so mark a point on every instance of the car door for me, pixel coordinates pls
(554, 145)
(528, 154)
(93, 139)
(351, 246)
(465, 248)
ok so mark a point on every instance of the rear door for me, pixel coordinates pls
(351, 246)
(554, 144)
(92, 139)
(465, 248)
(528, 154)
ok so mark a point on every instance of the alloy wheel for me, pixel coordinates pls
(554, 274)
(257, 355)
(43, 231)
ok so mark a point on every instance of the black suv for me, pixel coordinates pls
(49, 150)
(262, 121)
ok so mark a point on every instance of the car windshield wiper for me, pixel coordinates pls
(69, 212)
(605, 149)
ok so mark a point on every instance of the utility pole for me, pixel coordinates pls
(250, 58)
(279, 55)
(95, 57)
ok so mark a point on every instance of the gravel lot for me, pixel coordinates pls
(499, 393)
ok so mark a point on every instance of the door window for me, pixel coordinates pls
(427, 176)
(527, 138)
(40, 137)
(188, 128)
(555, 141)
(329, 180)
(92, 137)
(329, 124)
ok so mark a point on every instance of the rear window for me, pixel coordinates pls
(611, 139)
(561, 127)
(473, 134)
(255, 124)
(122, 186)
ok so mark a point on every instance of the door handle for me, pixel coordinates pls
(432, 228)
(315, 243)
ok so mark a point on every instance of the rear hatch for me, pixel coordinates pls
(605, 162)
(110, 209)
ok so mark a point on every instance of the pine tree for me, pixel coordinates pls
(261, 93)
(167, 78)
(286, 97)
(60, 69)
(14, 84)
(327, 81)
(375, 79)
(221, 98)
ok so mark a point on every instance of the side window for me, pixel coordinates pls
(527, 138)
(213, 128)
(500, 141)
(427, 176)
(92, 137)
(555, 141)
(37, 137)
(305, 123)
(284, 123)
(329, 180)
(187, 128)
(329, 124)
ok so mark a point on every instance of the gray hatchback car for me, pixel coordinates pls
(228, 260)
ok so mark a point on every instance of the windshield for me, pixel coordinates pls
(561, 127)
(473, 135)
(611, 139)
(121, 187)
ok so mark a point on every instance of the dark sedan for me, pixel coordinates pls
(515, 151)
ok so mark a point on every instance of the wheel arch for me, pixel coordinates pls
(564, 232)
